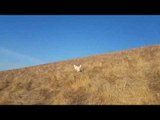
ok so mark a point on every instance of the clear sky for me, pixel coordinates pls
(27, 40)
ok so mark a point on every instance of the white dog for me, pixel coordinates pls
(77, 68)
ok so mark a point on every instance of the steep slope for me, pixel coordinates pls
(125, 77)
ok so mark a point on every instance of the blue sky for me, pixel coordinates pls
(27, 40)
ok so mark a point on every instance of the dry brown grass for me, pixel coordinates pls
(125, 77)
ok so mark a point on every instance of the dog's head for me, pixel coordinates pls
(77, 68)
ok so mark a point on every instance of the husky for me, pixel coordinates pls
(77, 68)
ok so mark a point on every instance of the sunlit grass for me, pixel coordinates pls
(125, 77)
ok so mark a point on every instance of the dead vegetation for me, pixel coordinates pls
(125, 77)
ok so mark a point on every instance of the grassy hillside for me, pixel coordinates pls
(125, 77)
